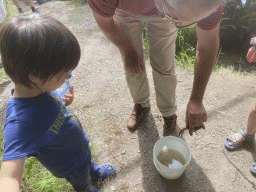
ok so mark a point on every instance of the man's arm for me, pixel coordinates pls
(133, 61)
(207, 49)
(10, 175)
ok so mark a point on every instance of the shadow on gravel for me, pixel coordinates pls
(250, 146)
(231, 104)
(193, 179)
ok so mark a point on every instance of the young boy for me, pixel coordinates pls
(38, 52)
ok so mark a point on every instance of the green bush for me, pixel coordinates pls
(238, 24)
(185, 46)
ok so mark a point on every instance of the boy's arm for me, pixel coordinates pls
(10, 175)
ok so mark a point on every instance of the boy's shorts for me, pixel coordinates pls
(2, 11)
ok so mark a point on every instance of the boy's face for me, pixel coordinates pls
(54, 82)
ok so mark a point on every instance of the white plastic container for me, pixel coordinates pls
(177, 144)
(64, 88)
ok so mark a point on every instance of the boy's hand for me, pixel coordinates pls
(68, 97)
(251, 55)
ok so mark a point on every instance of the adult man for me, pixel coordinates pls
(121, 21)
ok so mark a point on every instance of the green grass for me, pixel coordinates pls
(2, 74)
(185, 54)
(1, 143)
(10, 9)
(37, 178)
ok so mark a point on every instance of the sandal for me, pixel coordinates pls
(107, 170)
(236, 144)
(252, 169)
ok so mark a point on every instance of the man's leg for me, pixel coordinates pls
(16, 3)
(162, 36)
(31, 4)
(138, 84)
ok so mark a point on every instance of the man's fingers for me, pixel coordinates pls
(205, 118)
(191, 122)
(194, 121)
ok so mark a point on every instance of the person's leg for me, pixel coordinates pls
(16, 3)
(132, 29)
(31, 4)
(80, 180)
(161, 37)
(138, 85)
(250, 130)
(102, 171)
(251, 125)
(94, 170)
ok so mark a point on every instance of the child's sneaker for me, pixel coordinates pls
(107, 170)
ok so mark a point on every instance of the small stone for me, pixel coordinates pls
(113, 188)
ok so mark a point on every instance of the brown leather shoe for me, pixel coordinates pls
(136, 116)
(170, 126)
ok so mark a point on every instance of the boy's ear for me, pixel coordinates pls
(33, 78)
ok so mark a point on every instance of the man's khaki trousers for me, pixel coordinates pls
(161, 37)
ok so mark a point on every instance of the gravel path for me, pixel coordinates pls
(102, 103)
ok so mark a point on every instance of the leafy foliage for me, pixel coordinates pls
(185, 47)
(238, 24)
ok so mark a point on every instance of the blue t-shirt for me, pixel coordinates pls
(43, 127)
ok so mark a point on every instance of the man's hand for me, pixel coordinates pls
(195, 115)
(133, 62)
(251, 55)
(68, 97)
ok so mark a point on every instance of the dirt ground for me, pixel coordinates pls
(102, 103)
